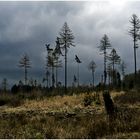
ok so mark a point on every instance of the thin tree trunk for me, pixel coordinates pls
(105, 68)
(65, 68)
(113, 75)
(92, 78)
(56, 77)
(49, 81)
(109, 79)
(25, 75)
(53, 77)
(78, 74)
(135, 59)
(47, 78)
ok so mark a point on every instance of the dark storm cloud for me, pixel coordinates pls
(25, 27)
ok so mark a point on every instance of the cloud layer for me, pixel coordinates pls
(27, 26)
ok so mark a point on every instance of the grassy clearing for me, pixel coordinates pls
(68, 117)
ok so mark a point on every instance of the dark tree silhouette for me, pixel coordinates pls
(4, 84)
(47, 77)
(110, 73)
(118, 79)
(104, 45)
(92, 66)
(47, 72)
(134, 32)
(57, 62)
(53, 61)
(66, 38)
(114, 58)
(50, 62)
(25, 63)
(78, 62)
(74, 80)
(31, 82)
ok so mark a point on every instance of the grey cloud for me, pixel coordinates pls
(27, 26)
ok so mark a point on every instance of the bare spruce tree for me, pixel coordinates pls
(47, 77)
(4, 84)
(74, 80)
(57, 62)
(110, 74)
(66, 38)
(92, 66)
(25, 63)
(50, 62)
(104, 45)
(134, 32)
(114, 58)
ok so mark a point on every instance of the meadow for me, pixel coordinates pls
(35, 115)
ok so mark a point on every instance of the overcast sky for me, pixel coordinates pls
(25, 27)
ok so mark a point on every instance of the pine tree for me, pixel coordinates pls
(110, 74)
(134, 32)
(66, 38)
(50, 63)
(57, 62)
(4, 84)
(114, 58)
(104, 45)
(25, 63)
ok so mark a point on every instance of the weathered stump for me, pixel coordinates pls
(110, 109)
(109, 105)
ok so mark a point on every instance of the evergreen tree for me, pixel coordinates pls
(4, 84)
(134, 32)
(66, 38)
(50, 63)
(110, 74)
(25, 63)
(57, 62)
(114, 58)
(104, 45)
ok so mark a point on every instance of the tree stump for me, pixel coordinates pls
(109, 105)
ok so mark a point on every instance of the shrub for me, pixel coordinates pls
(88, 99)
(15, 102)
(5, 99)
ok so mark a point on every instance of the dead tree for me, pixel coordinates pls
(66, 38)
(25, 63)
(57, 62)
(134, 32)
(114, 59)
(109, 105)
(104, 45)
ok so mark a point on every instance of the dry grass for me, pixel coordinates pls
(67, 117)
(56, 104)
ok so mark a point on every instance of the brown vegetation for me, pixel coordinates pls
(68, 117)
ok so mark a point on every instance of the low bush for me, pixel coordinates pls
(131, 97)
(15, 102)
(5, 99)
(88, 99)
